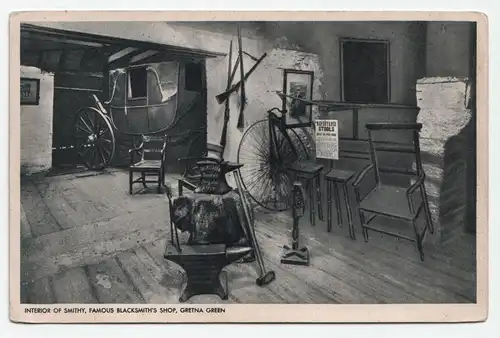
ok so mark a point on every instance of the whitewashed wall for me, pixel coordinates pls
(36, 125)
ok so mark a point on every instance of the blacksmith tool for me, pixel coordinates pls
(265, 276)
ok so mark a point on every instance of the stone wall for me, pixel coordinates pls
(446, 119)
(36, 125)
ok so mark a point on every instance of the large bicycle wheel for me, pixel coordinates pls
(94, 138)
(267, 181)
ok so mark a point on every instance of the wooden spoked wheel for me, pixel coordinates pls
(264, 177)
(94, 138)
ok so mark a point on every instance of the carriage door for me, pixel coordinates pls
(71, 92)
(192, 114)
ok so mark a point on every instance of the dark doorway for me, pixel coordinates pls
(71, 93)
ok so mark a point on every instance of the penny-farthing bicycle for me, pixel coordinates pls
(266, 148)
(94, 138)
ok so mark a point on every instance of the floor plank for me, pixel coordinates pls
(65, 216)
(25, 226)
(89, 244)
(292, 287)
(38, 214)
(337, 281)
(72, 286)
(149, 279)
(40, 291)
(83, 204)
(241, 277)
(24, 293)
(243, 286)
(390, 265)
(112, 252)
(111, 285)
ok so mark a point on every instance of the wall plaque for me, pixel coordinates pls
(30, 91)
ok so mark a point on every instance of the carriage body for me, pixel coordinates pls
(148, 99)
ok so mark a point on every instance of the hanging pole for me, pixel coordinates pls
(224, 96)
(243, 97)
(226, 110)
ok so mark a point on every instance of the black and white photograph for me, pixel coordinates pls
(174, 163)
(298, 84)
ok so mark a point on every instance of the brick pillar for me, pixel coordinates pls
(444, 114)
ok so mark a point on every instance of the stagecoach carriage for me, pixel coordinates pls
(164, 98)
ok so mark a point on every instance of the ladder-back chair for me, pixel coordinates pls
(152, 152)
(378, 197)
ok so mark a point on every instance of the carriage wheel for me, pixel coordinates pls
(267, 182)
(94, 138)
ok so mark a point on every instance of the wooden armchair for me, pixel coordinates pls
(379, 198)
(152, 152)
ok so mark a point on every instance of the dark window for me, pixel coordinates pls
(137, 78)
(365, 73)
(194, 73)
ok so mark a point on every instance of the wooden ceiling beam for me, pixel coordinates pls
(122, 53)
(64, 40)
(143, 55)
(101, 40)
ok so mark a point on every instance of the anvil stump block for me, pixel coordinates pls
(211, 219)
(203, 265)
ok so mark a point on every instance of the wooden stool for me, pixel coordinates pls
(334, 179)
(310, 172)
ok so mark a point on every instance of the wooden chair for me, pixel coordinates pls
(377, 198)
(152, 152)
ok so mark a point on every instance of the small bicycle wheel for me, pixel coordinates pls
(94, 138)
(266, 180)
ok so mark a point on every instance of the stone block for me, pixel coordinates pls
(443, 92)
(444, 116)
(445, 122)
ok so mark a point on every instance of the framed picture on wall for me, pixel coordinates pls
(30, 91)
(298, 83)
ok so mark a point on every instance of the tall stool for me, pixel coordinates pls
(335, 179)
(310, 173)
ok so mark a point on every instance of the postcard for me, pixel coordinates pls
(248, 167)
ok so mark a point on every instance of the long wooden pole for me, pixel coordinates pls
(224, 96)
(226, 110)
(243, 97)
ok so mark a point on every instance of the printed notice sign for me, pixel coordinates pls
(327, 139)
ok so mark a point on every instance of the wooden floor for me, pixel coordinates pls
(86, 240)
